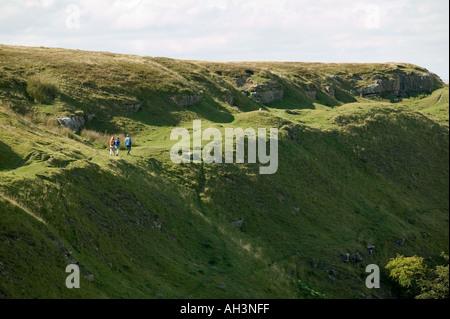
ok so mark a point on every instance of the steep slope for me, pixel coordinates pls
(354, 170)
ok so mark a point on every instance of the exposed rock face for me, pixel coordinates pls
(186, 100)
(401, 85)
(262, 92)
(267, 92)
(228, 98)
(76, 122)
(241, 81)
(330, 91)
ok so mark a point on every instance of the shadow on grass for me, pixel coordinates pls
(8, 158)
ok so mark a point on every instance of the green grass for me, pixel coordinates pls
(352, 172)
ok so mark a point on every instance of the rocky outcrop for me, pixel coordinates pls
(267, 92)
(229, 99)
(400, 85)
(186, 100)
(330, 91)
(264, 93)
(76, 122)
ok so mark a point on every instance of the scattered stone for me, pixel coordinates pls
(400, 242)
(237, 224)
(357, 258)
(156, 222)
(89, 277)
(371, 249)
(332, 272)
(346, 257)
(291, 112)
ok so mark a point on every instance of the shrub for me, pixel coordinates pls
(407, 272)
(436, 285)
(41, 90)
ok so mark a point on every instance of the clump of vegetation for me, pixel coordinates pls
(436, 285)
(41, 90)
(418, 280)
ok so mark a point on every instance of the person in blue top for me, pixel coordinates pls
(117, 145)
(128, 143)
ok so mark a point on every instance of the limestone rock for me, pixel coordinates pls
(229, 99)
(186, 100)
(237, 224)
(330, 91)
(267, 92)
(74, 123)
(400, 85)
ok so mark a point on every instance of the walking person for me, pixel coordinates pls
(128, 143)
(112, 146)
(117, 145)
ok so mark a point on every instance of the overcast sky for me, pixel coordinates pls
(413, 31)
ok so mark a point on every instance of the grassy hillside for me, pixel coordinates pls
(352, 172)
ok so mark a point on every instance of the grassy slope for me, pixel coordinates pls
(367, 172)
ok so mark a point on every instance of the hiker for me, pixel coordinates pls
(128, 143)
(112, 146)
(117, 145)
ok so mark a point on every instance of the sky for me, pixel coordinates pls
(411, 31)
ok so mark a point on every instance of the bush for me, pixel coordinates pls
(41, 90)
(407, 272)
(436, 285)
(419, 281)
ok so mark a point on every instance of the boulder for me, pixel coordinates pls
(237, 224)
(74, 123)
